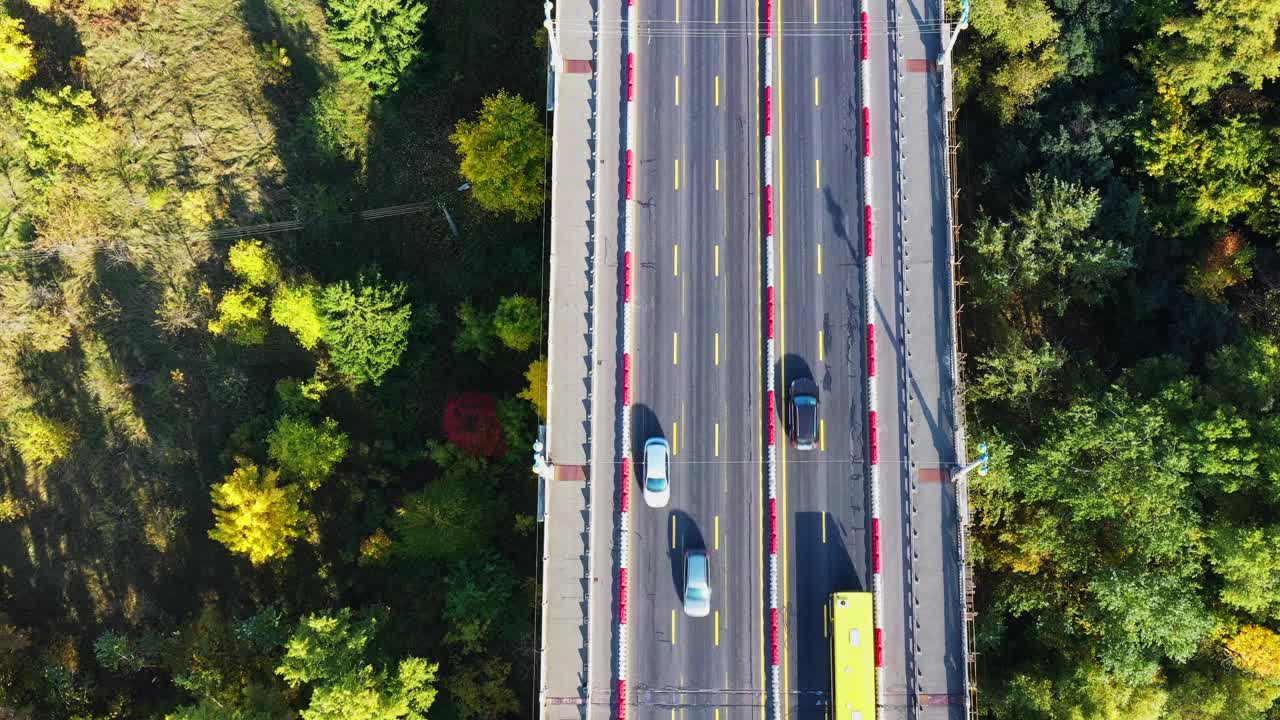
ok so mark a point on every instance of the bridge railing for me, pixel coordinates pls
(962, 488)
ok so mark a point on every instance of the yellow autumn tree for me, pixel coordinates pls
(241, 317)
(1256, 649)
(17, 62)
(40, 441)
(252, 261)
(255, 516)
(536, 392)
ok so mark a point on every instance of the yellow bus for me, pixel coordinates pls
(853, 657)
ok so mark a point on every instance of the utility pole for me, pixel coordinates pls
(951, 42)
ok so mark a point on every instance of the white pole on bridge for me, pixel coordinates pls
(553, 42)
(951, 42)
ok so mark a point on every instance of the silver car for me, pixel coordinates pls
(697, 584)
(657, 483)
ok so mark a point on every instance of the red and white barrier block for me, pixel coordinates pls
(771, 374)
(868, 276)
(628, 283)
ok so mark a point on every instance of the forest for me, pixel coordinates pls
(271, 358)
(1119, 174)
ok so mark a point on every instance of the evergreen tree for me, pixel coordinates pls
(378, 39)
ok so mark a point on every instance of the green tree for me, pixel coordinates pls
(1248, 560)
(324, 647)
(517, 322)
(17, 61)
(61, 129)
(503, 155)
(450, 517)
(117, 653)
(1070, 513)
(1017, 376)
(1018, 81)
(477, 597)
(211, 710)
(305, 451)
(368, 694)
(1147, 617)
(255, 516)
(536, 391)
(480, 690)
(1016, 25)
(365, 327)
(252, 262)
(328, 652)
(225, 670)
(1219, 172)
(1015, 55)
(240, 317)
(339, 120)
(294, 308)
(377, 39)
(1213, 690)
(40, 441)
(1048, 256)
(1226, 40)
(1246, 375)
(475, 331)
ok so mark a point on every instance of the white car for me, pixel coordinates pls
(657, 483)
(697, 584)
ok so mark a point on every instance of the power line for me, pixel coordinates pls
(228, 233)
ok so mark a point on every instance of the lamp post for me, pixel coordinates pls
(553, 42)
(964, 23)
(980, 464)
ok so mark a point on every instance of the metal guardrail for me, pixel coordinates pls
(967, 591)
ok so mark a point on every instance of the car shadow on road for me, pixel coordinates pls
(822, 566)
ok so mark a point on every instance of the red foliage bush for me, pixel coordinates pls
(471, 423)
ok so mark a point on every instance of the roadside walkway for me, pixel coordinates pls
(578, 592)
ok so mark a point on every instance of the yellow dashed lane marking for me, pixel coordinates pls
(717, 455)
(678, 89)
(717, 633)
(675, 259)
(717, 349)
(717, 173)
(717, 252)
(817, 173)
(819, 258)
(821, 352)
(677, 173)
(816, 95)
(822, 435)
(717, 91)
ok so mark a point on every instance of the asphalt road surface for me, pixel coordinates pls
(825, 497)
(697, 354)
